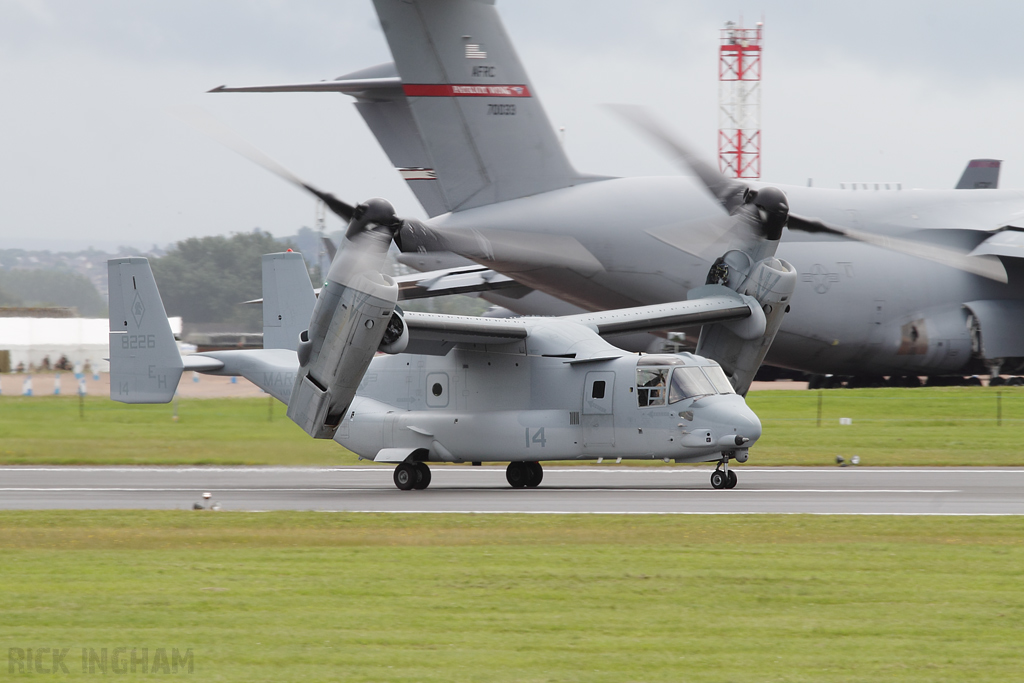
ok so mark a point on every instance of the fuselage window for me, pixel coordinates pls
(689, 382)
(650, 386)
(598, 390)
(718, 379)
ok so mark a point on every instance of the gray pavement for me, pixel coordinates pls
(600, 489)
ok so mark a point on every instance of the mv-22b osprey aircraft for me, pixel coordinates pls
(412, 388)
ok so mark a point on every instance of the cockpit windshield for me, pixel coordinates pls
(718, 378)
(655, 388)
(689, 382)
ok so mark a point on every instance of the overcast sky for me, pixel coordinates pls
(902, 91)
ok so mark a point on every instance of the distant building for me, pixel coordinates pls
(31, 334)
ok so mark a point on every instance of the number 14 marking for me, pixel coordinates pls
(538, 437)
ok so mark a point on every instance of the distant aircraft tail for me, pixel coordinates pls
(288, 300)
(483, 135)
(455, 112)
(145, 364)
(980, 174)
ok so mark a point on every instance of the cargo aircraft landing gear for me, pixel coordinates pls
(723, 477)
(412, 475)
(524, 474)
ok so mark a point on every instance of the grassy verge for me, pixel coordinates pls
(934, 426)
(230, 431)
(313, 596)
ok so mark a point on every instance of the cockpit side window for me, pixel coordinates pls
(689, 382)
(651, 384)
(719, 379)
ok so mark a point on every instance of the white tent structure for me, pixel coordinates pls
(82, 340)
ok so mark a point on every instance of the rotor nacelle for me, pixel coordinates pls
(352, 316)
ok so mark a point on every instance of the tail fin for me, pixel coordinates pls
(145, 364)
(980, 174)
(483, 128)
(288, 300)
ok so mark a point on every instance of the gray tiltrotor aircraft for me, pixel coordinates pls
(411, 388)
(901, 282)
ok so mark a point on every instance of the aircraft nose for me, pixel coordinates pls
(730, 414)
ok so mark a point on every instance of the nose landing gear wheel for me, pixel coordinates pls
(422, 476)
(536, 474)
(405, 476)
(518, 475)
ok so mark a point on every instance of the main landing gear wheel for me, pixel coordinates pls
(405, 476)
(731, 484)
(519, 474)
(422, 476)
(536, 474)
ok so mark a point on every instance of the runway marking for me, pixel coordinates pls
(224, 491)
(497, 470)
(673, 512)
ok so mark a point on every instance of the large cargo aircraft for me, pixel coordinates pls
(904, 282)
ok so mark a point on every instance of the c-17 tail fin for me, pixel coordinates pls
(145, 364)
(980, 174)
(483, 127)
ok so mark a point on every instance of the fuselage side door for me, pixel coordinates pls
(598, 419)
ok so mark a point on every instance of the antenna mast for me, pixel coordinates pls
(739, 101)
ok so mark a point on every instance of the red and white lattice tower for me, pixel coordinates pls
(739, 101)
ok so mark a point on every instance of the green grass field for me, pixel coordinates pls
(325, 597)
(934, 426)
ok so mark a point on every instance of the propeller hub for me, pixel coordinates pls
(774, 209)
(372, 212)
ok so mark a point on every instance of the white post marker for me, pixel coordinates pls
(26, 386)
(195, 376)
(56, 384)
(81, 386)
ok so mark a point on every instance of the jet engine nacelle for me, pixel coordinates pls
(771, 282)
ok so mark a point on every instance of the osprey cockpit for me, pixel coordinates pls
(667, 379)
(694, 402)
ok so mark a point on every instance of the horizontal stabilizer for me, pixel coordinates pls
(351, 87)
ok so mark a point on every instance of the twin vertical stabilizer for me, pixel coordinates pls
(145, 364)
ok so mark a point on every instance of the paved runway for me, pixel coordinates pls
(642, 490)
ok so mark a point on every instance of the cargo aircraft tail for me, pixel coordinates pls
(456, 112)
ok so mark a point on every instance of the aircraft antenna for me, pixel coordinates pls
(739, 100)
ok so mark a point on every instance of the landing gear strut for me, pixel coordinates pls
(524, 474)
(723, 477)
(412, 475)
